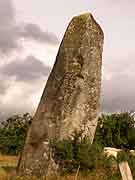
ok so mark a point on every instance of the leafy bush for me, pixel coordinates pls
(127, 156)
(116, 130)
(131, 162)
(75, 152)
(122, 156)
(13, 133)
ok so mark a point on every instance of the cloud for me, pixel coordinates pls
(33, 31)
(22, 80)
(3, 86)
(19, 73)
(10, 32)
(21, 97)
(118, 86)
(27, 70)
(8, 40)
(8, 36)
(6, 13)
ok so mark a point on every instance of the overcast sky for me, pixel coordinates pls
(30, 34)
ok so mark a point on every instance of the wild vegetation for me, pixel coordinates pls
(116, 130)
(76, 154)
(13, 133)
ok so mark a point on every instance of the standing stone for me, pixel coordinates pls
(71, 98)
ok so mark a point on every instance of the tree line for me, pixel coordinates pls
(113, 130)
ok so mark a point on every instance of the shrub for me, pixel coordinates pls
(75, 152)
(131, 162)
(129, 157)
(116, 130)
(13, 133)
(122, 156)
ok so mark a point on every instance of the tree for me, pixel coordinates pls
(116, 130)
(13, 133)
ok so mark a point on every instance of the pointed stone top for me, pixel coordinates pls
(85, 21)
(82, 28)
(84, 15)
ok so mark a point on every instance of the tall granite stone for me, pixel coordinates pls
(71, 98)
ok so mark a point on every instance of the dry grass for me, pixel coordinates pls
(8, 161)
(8, 165)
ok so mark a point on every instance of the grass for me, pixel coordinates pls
(8, 165)
(8, 161)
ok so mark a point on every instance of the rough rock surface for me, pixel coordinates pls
(71, 98)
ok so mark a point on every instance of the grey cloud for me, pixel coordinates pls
(6, 13)
(4, 85)
(10, 33)
(118, 93)
(118, 64)
(8, 36)
(9, 110)
(26, 70)
(8, 39)
(33, 31)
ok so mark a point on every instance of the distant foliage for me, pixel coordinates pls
(116, 130)
(13, 133)
(113, 130)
